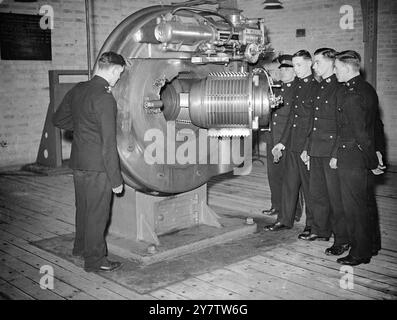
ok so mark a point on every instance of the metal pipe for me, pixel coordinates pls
(176, 32)
(88, 32)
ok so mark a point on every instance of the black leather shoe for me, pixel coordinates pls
(312, 237)
(106, 267)
(271, 212)
(275, 227)
(337, 250)
(307, 230)
(352, 261)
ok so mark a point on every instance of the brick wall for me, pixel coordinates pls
(387, 72)
(321, 20)
(24, 93)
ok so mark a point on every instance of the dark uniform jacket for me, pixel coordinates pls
(356, 113)
(322, 134)
(90, 110)
(297, 127)
(279, 117)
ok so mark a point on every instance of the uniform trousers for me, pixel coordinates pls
(93, 194)
(354, 192)
(326, 201)
(275, 174)
(373, 212)
(296, 176)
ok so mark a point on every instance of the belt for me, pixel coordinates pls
(348, 144)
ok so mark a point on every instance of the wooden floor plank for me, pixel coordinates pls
(25, 235)
(13, 293)
(88, 282)
(374, 287)
(32, 227)
(190, 292)
(318, 247)
(62, 275)
(329, 275)
(51, 225)
(290, 274)
(47, 220)
(380, 262)
(33, 273)
(18, 282)
(35, 206)
(217, 291)
(164, 294)
(33, 289)
(303, 276)
(368, 271)
(278, 285)
(58, 184)
(34, 187)
(230, 280)
(38, 207)
(7, 273)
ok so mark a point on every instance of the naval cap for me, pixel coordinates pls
(285, 61)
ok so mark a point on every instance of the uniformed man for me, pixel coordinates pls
(354, 153)
(380, 147)
(328, 215)
(89, 110)
(294, 135)
(279, 117)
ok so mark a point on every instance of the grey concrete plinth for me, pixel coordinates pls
(180, 242)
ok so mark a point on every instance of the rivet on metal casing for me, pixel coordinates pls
(249, 221)
(151, 249)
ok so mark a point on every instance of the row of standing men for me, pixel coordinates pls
(328, 145)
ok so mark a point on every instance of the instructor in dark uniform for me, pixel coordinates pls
(328, 215)
(89, 110)
(380, 147)
(292, 141)
(355, 154)
(279, 117)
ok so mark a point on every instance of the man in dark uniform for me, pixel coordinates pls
(328, 215)
(89, 110)
(354, 153)
(380, 147)
(279, 117)
(292, 141)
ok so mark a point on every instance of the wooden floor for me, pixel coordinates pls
(39, 207)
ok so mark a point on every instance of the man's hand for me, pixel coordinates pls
(306, 159)
(333, 163)
(377, 171)
(304, 156)
(276, 152)
(381, 166)
(118, 189)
